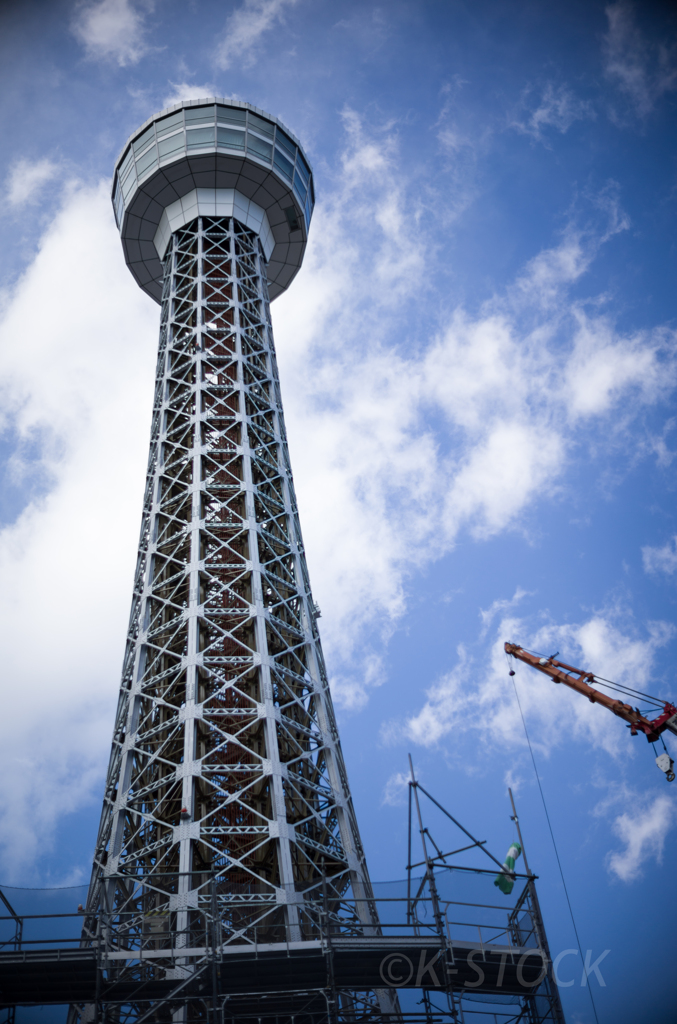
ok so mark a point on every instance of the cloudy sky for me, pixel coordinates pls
(478, 365)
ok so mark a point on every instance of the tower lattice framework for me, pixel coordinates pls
(226, 760)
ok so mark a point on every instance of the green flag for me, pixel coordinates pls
(506, 879)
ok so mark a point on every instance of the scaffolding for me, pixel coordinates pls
(445, 950)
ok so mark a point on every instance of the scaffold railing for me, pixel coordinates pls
(133, 961)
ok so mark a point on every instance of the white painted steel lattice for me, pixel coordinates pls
(226, 756)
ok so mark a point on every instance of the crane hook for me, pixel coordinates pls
(666, 764)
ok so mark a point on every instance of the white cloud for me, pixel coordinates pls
(26, 180)
(614, 655)
(351, 690)
(445, 707)
(244, 29)
(602, 366)
(642, 71)
(552, 270)
(188, 91)
(661, 559)
(77, 390)
(553, 713)
(558, 108)
(643, 832)
(488, 615)
(505, 469)
(461, 146)
(658, 443)
(111, 30)
(395, 789)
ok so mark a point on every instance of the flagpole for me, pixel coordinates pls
(519, 832)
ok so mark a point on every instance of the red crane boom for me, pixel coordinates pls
(579, 680)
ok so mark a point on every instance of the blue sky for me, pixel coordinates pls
(478, 364)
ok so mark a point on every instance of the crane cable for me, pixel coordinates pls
(552, 836)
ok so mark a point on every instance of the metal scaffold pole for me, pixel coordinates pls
(539, 927)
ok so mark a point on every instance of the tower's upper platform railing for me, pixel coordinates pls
(213, 157)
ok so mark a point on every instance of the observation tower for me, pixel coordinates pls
(227, 816)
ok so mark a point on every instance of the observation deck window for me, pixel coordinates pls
(126, 165)
(230, 138)
(283, 165)
(128, 185)
(231, 115)
(286, 143)
(260, 148)
(303, 170)
(199, 115)
(168, 124)
(200, 137)
(172, 144)
(143, 140)
(259, 125)
(299, 187)
(149, 159)
(118, 203)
